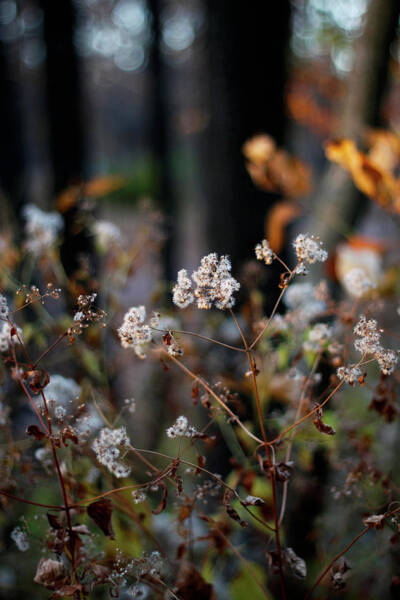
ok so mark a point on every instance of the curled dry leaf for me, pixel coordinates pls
(231, 512)
(297, 565)
(339, 574)
(37, 380)
(320, 425)
(283, 470)
(52, 574)
(163, 501)
(375, 521)
(36, 432)
(274, 170)
(252, 501)
(101, 512)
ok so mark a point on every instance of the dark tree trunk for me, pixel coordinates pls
(12, 152)
(63, 91)
(66, 133)
(247, 62)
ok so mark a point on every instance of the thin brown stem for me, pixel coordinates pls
(326, 570)
(271, 470)
(213, 394)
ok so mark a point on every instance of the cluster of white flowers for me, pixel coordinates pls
(62, 390)
(181, 428)
(138, 496)
(309, 249)
(19, 536)
(264, 252)
(318, 337)
(357, 283)
(42, 228)
(369, 343)
(108, 450)
(214, 284)
(106, 233)
(4, 310)
(182, 294)
(6, 339)
(349, 374)
(134, 332)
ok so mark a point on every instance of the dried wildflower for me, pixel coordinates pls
(368, 343)
(138, 496)
(318, 336)
(369, 334)
(214, 284)
(174, 349)
(264, 252)
(387, 360)
(134, 332)
(42, 228)
(357, 283)
(6, 338)
(4, 310)
(309, 249)
(86, 313)
(19, 536)
(181, 428)
(182, 290)
(349, 374)
(108, 450)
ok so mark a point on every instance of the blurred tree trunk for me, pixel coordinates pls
(336, 194)
(66, 132)
(63, 93)
(247, 50)
(12, 152)
(159, 129)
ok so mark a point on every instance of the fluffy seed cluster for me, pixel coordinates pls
(181, 428)
(134, 332)
(369, 343)
(42, 228)
(138, 496)
(108, 448)
(309, 249)
(264, 252)
(19, 536)
(318, 336)
(182, 294)
(349, 374)
(4, 310)
(212, 284)
(6, 340)
(62, 390)
(357, 283)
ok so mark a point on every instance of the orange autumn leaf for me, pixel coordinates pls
(275, 170)
(373, 172)
(277, 219)
(95, 188)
